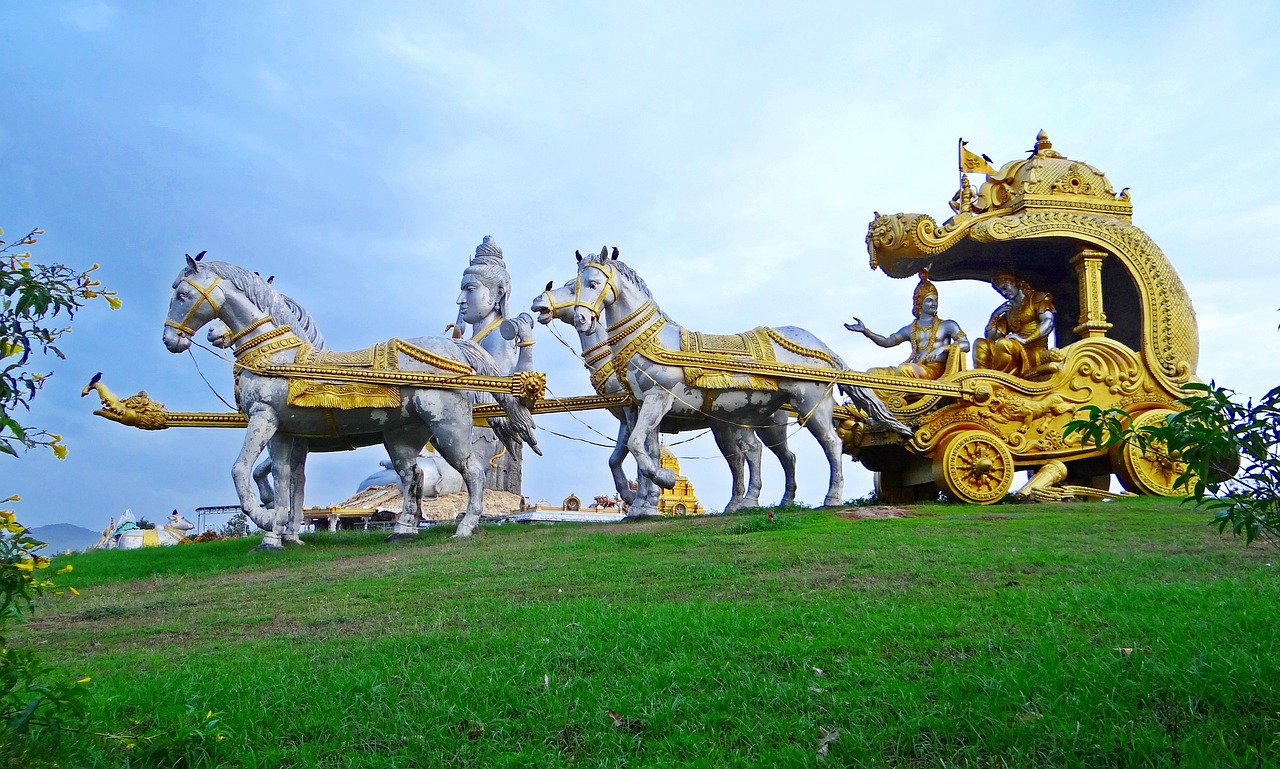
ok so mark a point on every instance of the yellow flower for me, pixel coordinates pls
(24, 565)
(66, 569)
(14, 498)
(73, 591)
(40, 561)
(114, 302)
(59, 450)
(83, 680)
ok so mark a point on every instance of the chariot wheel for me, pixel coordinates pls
(1150, 471)
(974, 467)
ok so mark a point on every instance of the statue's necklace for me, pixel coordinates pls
(482, 333)
(933, 332)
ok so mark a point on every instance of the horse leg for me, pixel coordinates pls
(283, 451)
(819, 410)
(727, 441)
(621, 483)
(262, 477)
(750, 447)
(297, 483)
(451, 435)
(403, 451)
(262, 426)
(774, 437)
(645, 447)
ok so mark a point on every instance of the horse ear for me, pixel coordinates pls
(549, 284)
(271, 280)
(615, 253)
(578, 254)
(191, 264)
(604, 253)
(200, 255)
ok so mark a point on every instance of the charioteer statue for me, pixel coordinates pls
(482, 305)
(931, 337)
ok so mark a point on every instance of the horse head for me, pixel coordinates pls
(219, 335)
(197, 299)
(555, 304)
(176, 521)
(595, 288)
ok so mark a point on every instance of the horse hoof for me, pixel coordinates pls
(665, 477)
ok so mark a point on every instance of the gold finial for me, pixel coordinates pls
(1042, 142)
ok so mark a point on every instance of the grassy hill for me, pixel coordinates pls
(954, 637)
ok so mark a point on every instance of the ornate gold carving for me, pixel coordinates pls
(974, 467)
(1074, 182)
(1045, 486)
(1151, 470)
(483, 411)
(311, 393)
(1029, 416)
(1053, 196)
(752, 345)
(1170, 339)
(142, 412)
(1093, 321)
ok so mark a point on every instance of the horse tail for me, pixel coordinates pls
(519, 424)
(878, 415)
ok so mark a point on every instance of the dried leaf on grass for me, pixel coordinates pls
(622, 722)
(825, 740)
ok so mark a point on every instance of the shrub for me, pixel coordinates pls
(1229, 449)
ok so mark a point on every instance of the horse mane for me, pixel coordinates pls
(625, 270)
(621, 267)
(269, 300)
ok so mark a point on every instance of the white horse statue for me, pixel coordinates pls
(668, 369)
(130, 537)
(738, 444)
(287, 390)
(302, 324)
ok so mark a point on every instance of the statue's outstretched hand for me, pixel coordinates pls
(856, 326)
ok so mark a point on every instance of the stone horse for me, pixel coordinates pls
(737, 444)
(669, 370)
(405, 417)
(303, 324)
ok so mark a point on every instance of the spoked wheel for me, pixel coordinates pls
(1151, 471)
(974, 467)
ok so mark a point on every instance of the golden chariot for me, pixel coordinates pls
(1125, 336)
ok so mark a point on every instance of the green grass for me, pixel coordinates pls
(941, 641)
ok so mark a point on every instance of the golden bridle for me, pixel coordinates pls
(206, 295)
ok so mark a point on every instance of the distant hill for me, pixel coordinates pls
(65, 536)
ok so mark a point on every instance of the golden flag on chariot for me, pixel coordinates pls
(971, 163)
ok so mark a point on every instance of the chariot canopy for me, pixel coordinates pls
(1059, 224)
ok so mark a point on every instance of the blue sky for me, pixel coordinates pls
(734, 152)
